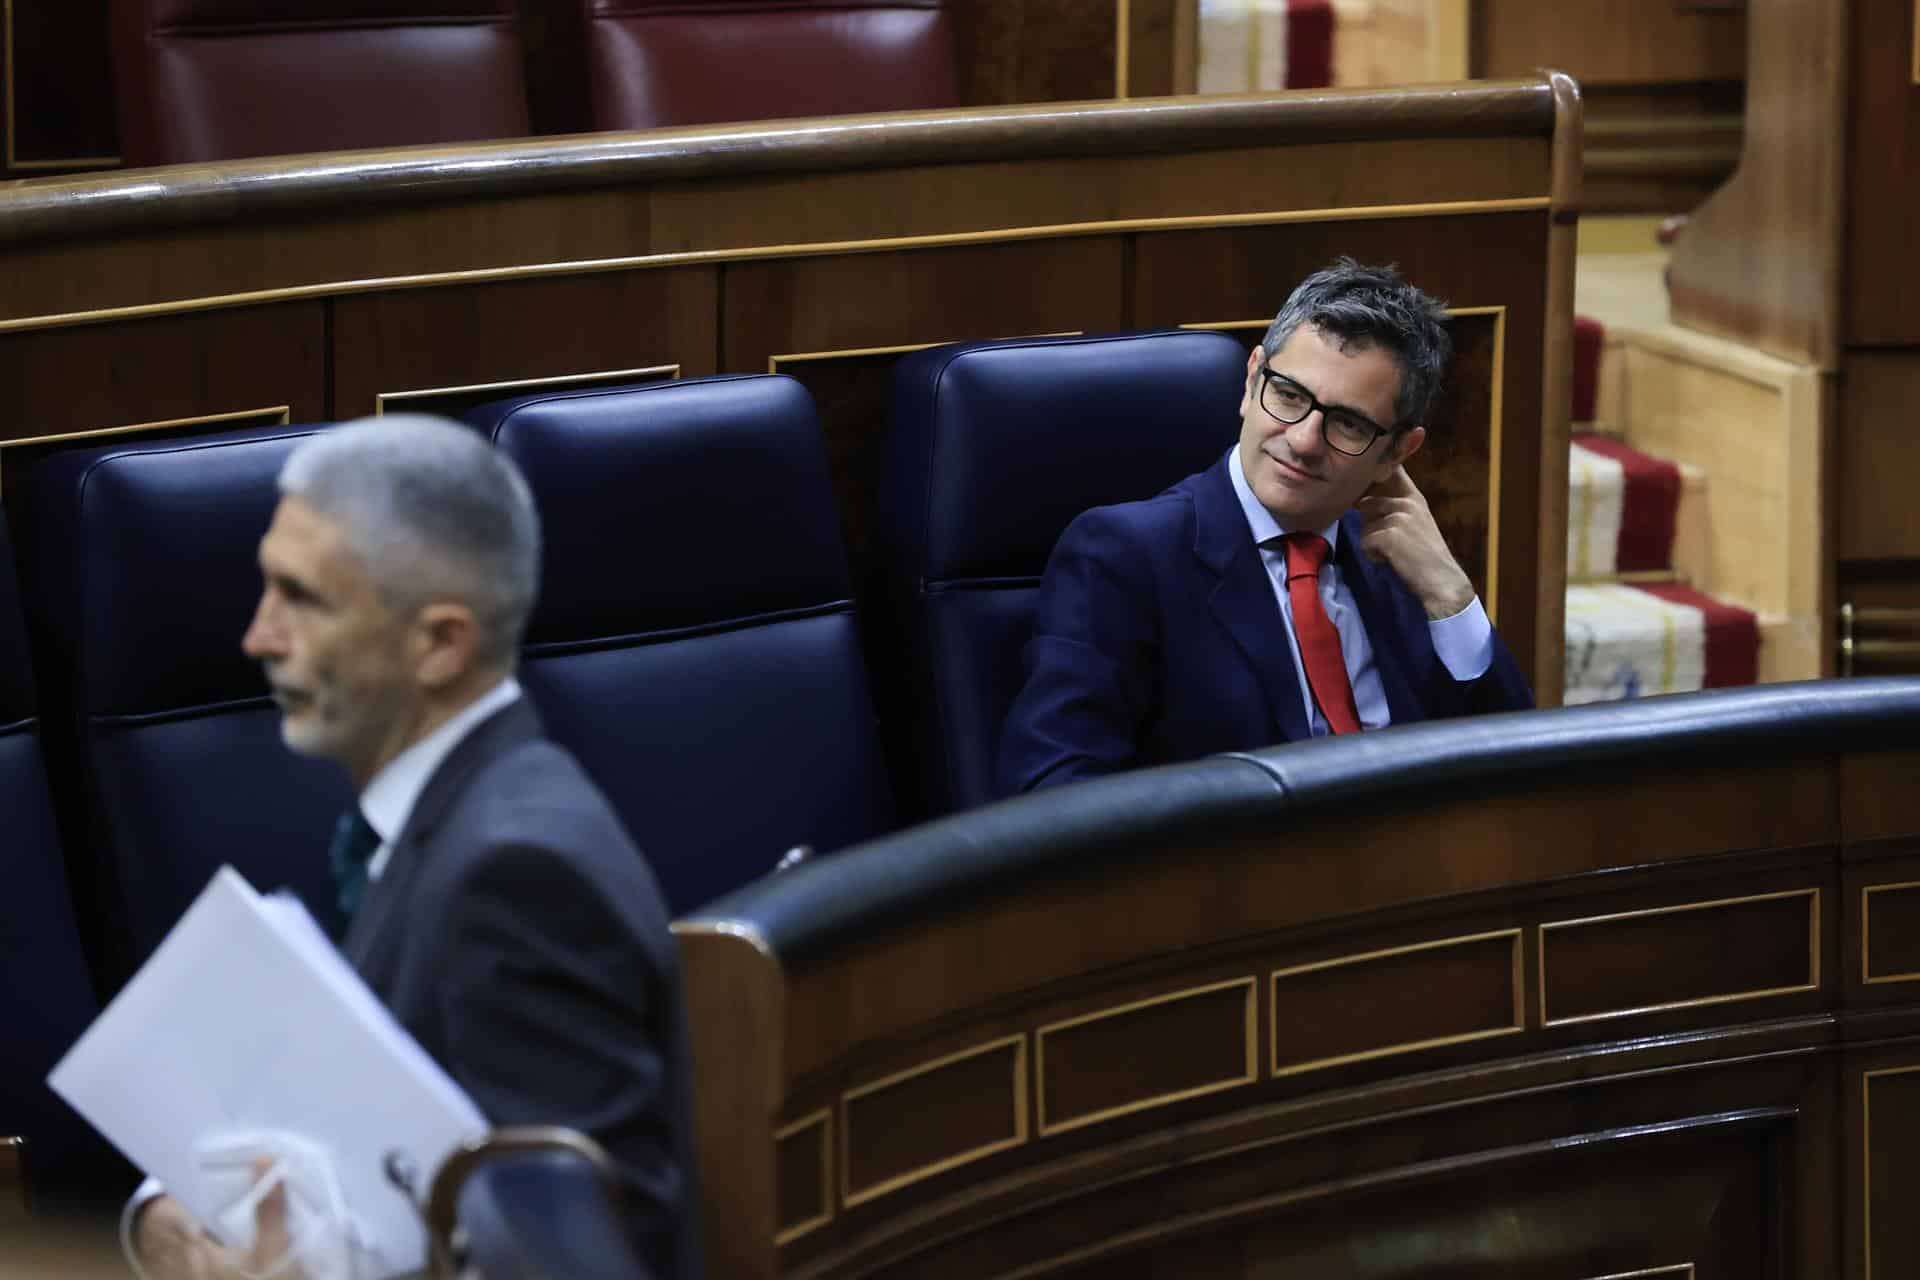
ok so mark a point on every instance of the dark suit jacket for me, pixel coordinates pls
(519, 936)
(1157, 638)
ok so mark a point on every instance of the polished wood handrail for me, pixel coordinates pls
(244, 190)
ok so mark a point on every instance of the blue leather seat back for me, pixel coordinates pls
(46, 996)
(695, 644)
(146, 555)
(993, 449)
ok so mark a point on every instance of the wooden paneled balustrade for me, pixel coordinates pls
(309, 288)
(1630, 990)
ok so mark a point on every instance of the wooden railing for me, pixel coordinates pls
(1621, 990)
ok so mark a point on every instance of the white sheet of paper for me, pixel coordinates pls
(247, 1017)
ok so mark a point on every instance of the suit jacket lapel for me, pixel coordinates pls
(507, 728)
(1374, 598)
(1243, 601)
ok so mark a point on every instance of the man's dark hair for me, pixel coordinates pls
(1357, 307)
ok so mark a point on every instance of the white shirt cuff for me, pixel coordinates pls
(148, 1190)
(1464, 642)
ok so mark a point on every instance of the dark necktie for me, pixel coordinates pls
(1314, 632)
(354, 841)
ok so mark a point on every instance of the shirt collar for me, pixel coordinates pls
(389, 799)
(1260, 520)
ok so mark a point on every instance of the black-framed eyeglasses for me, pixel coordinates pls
(1344, 430)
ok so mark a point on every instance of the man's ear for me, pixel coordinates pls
(1408, 445)
(444, 637)
(1255, 359)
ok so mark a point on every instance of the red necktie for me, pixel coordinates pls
(1313, 631)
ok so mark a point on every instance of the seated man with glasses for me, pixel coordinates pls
(1296, 588)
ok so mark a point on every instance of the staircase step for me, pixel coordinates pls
(1629, 512)
(1628, 641)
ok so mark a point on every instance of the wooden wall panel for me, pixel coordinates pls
(1679, 956)
(1691, 1208)
(1622, 42)
(792, 317)
(1883, 190)
(409, 340)
(1876, 511)
(1761, 260)
(61, 381)
(1034, 50)
(56, 87)
(1884, 1102)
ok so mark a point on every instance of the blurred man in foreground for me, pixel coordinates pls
(495, 903)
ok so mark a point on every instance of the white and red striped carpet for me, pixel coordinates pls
(1632, 629)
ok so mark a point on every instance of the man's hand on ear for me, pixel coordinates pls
(1397, 529)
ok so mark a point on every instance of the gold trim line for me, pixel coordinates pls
(1813, 956)
(590, 266)
(1517, 980)
(849, 1198)
(1866, 1161)
(847, 353)
(1683, 1270)
(1123, 48)
(279, 415)
(1249, 1075)
(383, 398)
(823, 1118)
(1866, 921)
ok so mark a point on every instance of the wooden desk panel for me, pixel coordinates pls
(1544, 1028)
(586, 328)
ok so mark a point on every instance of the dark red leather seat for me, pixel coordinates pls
(654, 63)
(221, 79)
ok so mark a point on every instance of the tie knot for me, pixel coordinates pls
(354, 838)
(1306, 552)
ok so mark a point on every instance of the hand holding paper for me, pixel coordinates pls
(247, 1036)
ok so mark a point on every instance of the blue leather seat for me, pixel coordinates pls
(993, 449)
(46, 997)
(145, 575)
(695, 644)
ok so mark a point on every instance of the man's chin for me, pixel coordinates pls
(300, 736)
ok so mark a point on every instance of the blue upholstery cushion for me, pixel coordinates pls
(147, 556)
(993, 449)
(46, 999)
(695, 643)
(674, 504)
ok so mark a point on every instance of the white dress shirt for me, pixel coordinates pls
(387, 803)
(388, 800)
(1463, 641)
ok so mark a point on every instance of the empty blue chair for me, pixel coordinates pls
(46, 998)
(993, 448)
(145, 571)
(695, 643)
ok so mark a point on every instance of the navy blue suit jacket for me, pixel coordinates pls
(1158, 638)
(520, 937)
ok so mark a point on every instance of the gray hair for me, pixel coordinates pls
(1360, 307)
(433, 512)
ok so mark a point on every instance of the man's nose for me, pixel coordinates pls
(1304, 437)
(262, 638)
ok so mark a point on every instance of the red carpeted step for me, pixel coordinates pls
(1589, 336)
(1649, 503)
(1309, 44)
(1733, 636)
